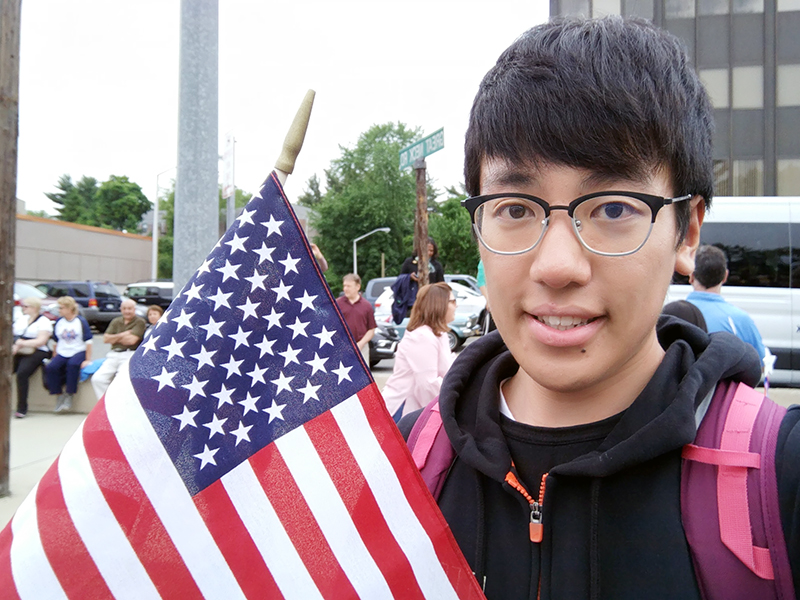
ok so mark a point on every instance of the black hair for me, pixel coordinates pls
(435, 247)
(615, 96)
(710, 265)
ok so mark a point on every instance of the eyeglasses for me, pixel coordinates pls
(606, 223)
(452, 300)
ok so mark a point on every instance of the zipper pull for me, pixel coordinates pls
(536, 527)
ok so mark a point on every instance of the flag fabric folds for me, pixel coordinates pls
(246, 453)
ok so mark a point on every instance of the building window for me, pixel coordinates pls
(748, 178)
(787, 5)
(602, 8)
(789, 177)
(722, 178)
(712, 7)
(788, 85)
(748, 6)
(716, 82)
(639, 8)
(679, 9)
(574, 8)
(748, 87)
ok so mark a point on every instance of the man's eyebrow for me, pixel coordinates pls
(596, 179)
(509, 176)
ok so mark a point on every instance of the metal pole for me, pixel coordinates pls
(355, 258)
(358, 239)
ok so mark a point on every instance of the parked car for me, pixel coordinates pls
(148, 293)
(375, 287)
(24, 290)
(465, 280)
(98, 300)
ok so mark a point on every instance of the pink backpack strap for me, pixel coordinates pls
(430, 447)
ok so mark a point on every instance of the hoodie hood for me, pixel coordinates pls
(661, 419)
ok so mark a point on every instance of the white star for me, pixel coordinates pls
(207, 456)
(275, 411)
(228, 271)
(193, 292)
(249, 308)
(290, 264)
(223, 396)
(236, 243)
(257, 374)
(150, 344)
(220, 299)
(204, 357)
(309, 392)
(249, 404)
(306, 301)
(258, 193)
(241, 433)
(264, 253)
(186, 417)
(282, 290)
(298, 327)
(174, 347)
(232, 366)
(256, 281)
(215, 426)
(165, 378)
(273, 226)
(195, 387)
(290, 355)
(318, 364)
(164, 318)
(240, 337)
(265, 346)
(205, 267)
(343, 372)
(246, 217)
(324, 336)
(184, 320)
(213, 327)
(283, 383)
(274, 319)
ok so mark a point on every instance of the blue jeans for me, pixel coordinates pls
(62, 370)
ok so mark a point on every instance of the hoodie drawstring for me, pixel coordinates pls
(480, 534)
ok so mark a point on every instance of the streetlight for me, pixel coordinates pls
(358, 239)
(154, 267)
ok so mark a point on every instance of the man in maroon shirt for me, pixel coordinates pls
(357, 313)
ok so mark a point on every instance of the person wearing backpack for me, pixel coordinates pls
(564, 450)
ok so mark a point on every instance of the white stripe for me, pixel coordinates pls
(391, 499)
(32, 572)
(167, 493)
(259, 517)
(98, 527)
(319, 492)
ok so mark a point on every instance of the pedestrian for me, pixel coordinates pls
(588, 164)
(72, 352)
(410, 265)
(357, 313)
(32, 331)
(124, 333)
(154, 313)
(423, 355)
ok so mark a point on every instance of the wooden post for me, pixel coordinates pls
(9, 126)
(421, 223)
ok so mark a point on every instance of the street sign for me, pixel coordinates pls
(422, 148)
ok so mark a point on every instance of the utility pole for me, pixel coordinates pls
(421, 223)
(9, 127)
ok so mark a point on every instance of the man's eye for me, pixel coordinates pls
(514, 211)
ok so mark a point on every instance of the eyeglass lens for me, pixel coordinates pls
(607, 224)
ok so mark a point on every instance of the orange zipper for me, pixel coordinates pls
(536, 528)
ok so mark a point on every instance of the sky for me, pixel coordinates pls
(99, 82)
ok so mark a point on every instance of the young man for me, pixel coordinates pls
(588, 159)
(357, 313)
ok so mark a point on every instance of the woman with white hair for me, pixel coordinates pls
(32, 330)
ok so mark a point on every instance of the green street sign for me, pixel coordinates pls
(422, 148)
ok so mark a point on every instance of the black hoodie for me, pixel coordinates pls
(611, 512)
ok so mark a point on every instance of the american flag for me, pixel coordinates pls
(247, 453)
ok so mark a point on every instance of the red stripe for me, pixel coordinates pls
(63, 546)
(133, 510)
(362, 506)
(235, 543)
(423, 504)
(6, 577)
(300, 524)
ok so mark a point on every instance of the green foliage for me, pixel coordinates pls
(39, 213)
(367, 190)
(312, 196)
(75, 200)
(450, 226)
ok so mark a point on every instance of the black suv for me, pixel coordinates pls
(99, 300)
(151, 292)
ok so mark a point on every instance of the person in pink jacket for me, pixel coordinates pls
(423, 355)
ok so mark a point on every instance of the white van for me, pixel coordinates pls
(761, 237)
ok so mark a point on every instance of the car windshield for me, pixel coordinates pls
(105, 290)
(25, 290)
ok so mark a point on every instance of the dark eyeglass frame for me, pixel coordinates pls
(655, 203)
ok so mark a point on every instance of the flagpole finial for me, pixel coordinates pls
(297, 133)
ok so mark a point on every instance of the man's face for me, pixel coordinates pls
(128, 310)
(351, 289)
(575, 320)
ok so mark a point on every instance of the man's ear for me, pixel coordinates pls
(684, 259)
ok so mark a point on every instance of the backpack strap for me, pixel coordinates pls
(430, 447)
(730, 470)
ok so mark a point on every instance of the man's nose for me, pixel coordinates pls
(560, 259)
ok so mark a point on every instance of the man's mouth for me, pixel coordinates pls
(563, 323)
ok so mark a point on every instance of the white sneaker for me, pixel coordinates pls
(67, 406)
(59, 403)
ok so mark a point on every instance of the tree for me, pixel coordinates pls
(450, 226)
(120, 204)
(75, 200)
(312, 196)
(367, 190)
